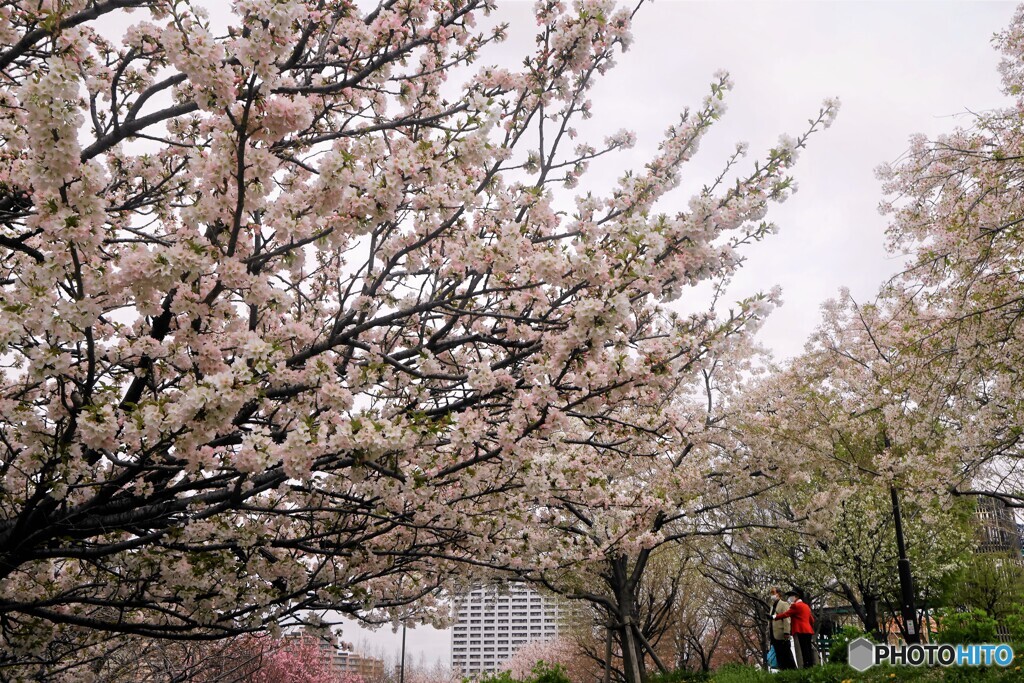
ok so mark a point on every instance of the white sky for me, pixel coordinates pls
(899, 68)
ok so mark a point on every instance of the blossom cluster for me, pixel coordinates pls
(285, 329)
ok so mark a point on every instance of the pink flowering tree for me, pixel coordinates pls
(297, 660)
(563, 652)
(252, 658)
(284, 328)
(922, 386)
(667, 463)
(956, 312)
(919, 389)
(841, 414)
(662, 469)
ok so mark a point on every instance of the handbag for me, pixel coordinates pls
(773, 659)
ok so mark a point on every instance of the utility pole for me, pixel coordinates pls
(401, 672)
(907, 607)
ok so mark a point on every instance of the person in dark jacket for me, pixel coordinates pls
(802, 626)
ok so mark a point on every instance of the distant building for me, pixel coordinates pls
(369, 668)
(339, 656)
(998, 531)
(493, 623)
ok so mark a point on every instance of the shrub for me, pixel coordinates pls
(499, 677)
(837, 651)
(541, 673)
(1015, 625)
(975, 626)
(828, 673)
(681, 676)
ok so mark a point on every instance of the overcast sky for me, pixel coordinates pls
(899, 68)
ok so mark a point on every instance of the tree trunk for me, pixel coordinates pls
(866, 609)
(632, 648)
(632, 653)
(871, 616)
(623, 580)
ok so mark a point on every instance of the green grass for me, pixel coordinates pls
(841, 673)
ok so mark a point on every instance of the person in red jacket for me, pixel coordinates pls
(802, 626)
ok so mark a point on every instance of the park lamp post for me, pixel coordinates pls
(907, 607)
(401, 671)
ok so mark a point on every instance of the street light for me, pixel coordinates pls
(401, 671)
(907, 607)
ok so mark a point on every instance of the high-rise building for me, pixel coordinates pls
(997, 527)
(493, 622)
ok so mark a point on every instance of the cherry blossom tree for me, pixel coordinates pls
(299, 659)
(955, 204)
(921, 388)
(683, 473)
(842, 412)
(285, 329)
(859, 554)
(248, 658)
(744, 567)
(563, 652)
(942, 343)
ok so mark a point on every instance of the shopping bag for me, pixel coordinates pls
(773, 659)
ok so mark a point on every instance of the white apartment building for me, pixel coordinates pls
(492, 623)
(336, 654)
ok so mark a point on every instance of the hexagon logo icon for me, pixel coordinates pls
(860, 653)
